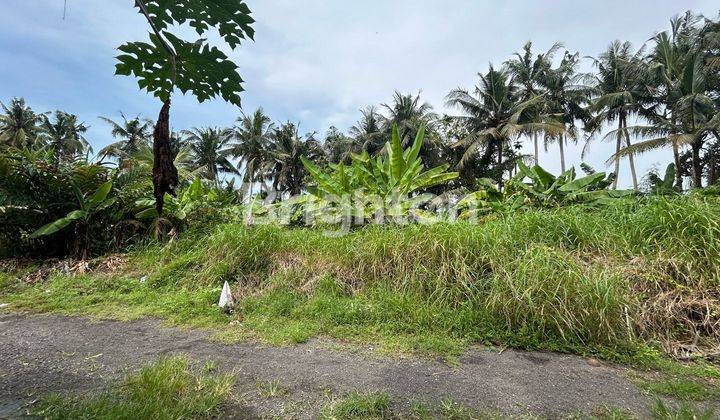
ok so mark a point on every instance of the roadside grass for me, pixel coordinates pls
(684, 388)
(168, 389)
(662, 411)
(372, 405)
(624, 283)
(271, 389)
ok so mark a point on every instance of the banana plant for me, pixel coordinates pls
(380, 185)
(90, 205)
(177, 208)
(545, 189)
(666, 184)
(397, 172)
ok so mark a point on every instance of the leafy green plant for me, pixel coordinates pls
(545, 189)
(386, 182)
(89, 206)
(397, 172)
(194, 198)
(666, 184)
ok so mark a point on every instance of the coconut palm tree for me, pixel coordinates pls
(286, 148)
(209, 147)
(685, 109)
(135, 135)
(528, 72)
(19, 124)
(252, 137)
(367, 132)
(666, 60)
(696, 118)
(619, 93)
(565, 100)
(337, 146)
(65, 135)
(409, 114)
(494, 117)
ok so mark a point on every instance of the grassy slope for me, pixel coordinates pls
(568, 279)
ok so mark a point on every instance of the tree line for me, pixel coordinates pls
(665, 94)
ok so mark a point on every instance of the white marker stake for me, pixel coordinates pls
(226, 299)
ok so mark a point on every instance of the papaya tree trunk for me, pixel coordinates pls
(537, 149)
(165, 174)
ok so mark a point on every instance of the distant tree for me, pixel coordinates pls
(619, 93)
(337, 146)
(134, 134)
(210, 151)
(19, 124)
(528, 72)
(286, 149)
(409, 113)
(688, 112)
(65, 135)
(169, 62)
(565, 100)
(252, 137)
(367, 132)
(493, 116)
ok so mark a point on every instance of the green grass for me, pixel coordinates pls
(373, 405)
(682, 388)
(614, 282)
(167, 389)
(661, 411)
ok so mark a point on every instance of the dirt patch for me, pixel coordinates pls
(41, 354)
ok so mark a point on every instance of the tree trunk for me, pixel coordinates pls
(696, 167)
(678, 173)
(618, 146)
(712, 171)
(561, 141)
(631, 158)
(500, 160)
(537, 150)
(165, 174)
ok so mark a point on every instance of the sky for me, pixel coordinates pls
(318, 62)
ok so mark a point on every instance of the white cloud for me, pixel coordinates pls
(317, 61)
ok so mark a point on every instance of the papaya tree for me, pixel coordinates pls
(168, 62)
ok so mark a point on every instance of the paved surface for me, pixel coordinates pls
(41, 354)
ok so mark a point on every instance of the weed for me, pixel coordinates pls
(167, 389)
(373, 405)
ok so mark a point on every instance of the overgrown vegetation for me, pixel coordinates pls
(450, 235)
(168, 389)
(605, 281)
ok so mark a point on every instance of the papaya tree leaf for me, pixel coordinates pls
(231, 17)
(203, 70)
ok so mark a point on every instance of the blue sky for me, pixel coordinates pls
(313, 61)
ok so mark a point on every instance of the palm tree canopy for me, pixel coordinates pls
(19, 124)
(210, 151)
(252, 136)
(64, 134)
(135, 136)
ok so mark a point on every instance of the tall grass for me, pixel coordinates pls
(568, 278)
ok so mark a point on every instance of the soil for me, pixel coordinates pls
(45, 354)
